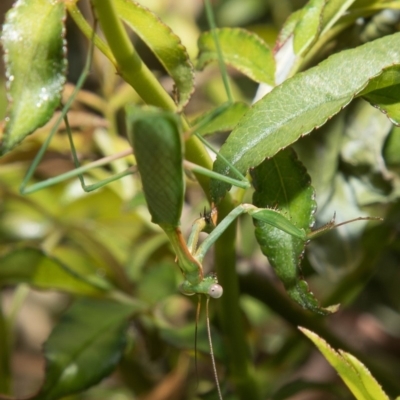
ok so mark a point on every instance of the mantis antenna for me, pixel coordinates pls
(212, 350)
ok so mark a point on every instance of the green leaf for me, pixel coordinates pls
(84, 347)
(35, 268)
(282, 183)
(309, 98)
(304, 25)
(354, 374)
(157, 142)
(165, 45)
(383, 92)
(33, 40)
(388, 101)
(224, 121)
(302, 30)
(241, 49)
(307, 29)
(288, 28)
(333, 10)
(389, 77)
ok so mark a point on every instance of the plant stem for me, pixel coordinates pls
(240, 363)
(130, 66)
(211, 21)
(87, 30)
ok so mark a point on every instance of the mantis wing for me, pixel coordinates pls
(157, 143)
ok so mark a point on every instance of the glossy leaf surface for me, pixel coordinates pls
(33, 40)
(303, 103)
(84, 347)
(283, 183)
(35, 268)
(354, 374)
(242, 50)
(165, 45)
(157, 144)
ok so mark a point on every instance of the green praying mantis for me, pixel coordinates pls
(157, 135)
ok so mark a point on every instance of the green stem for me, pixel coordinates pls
(130, 66)
(87, 30)
(222, 67)
(241, 367)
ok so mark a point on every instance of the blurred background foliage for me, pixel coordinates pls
(107, 235)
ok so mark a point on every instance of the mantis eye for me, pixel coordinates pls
(215, 291)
